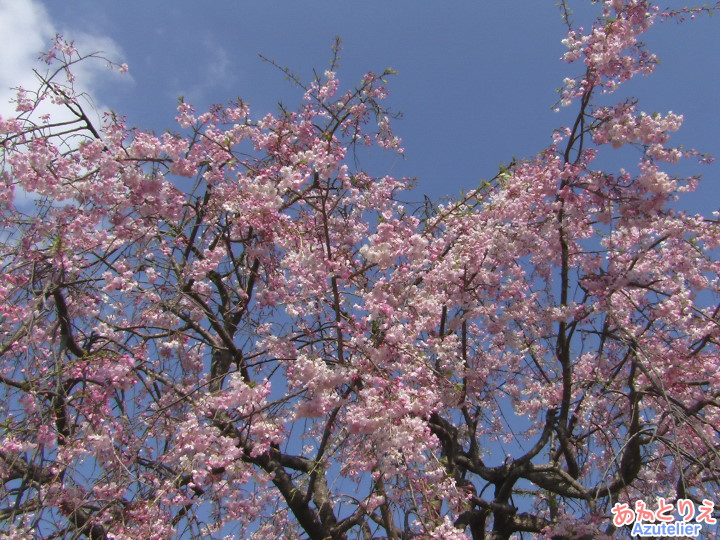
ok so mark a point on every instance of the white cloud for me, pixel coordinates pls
(27, 31)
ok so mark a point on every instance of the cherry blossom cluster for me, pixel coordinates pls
(229, 330)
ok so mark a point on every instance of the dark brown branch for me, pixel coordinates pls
(66, 335)
(20, 468)
(82, 520)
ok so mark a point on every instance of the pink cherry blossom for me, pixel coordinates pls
(285, 350)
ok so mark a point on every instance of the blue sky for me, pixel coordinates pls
(476, 80)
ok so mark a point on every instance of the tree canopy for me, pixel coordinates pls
(229, 329)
